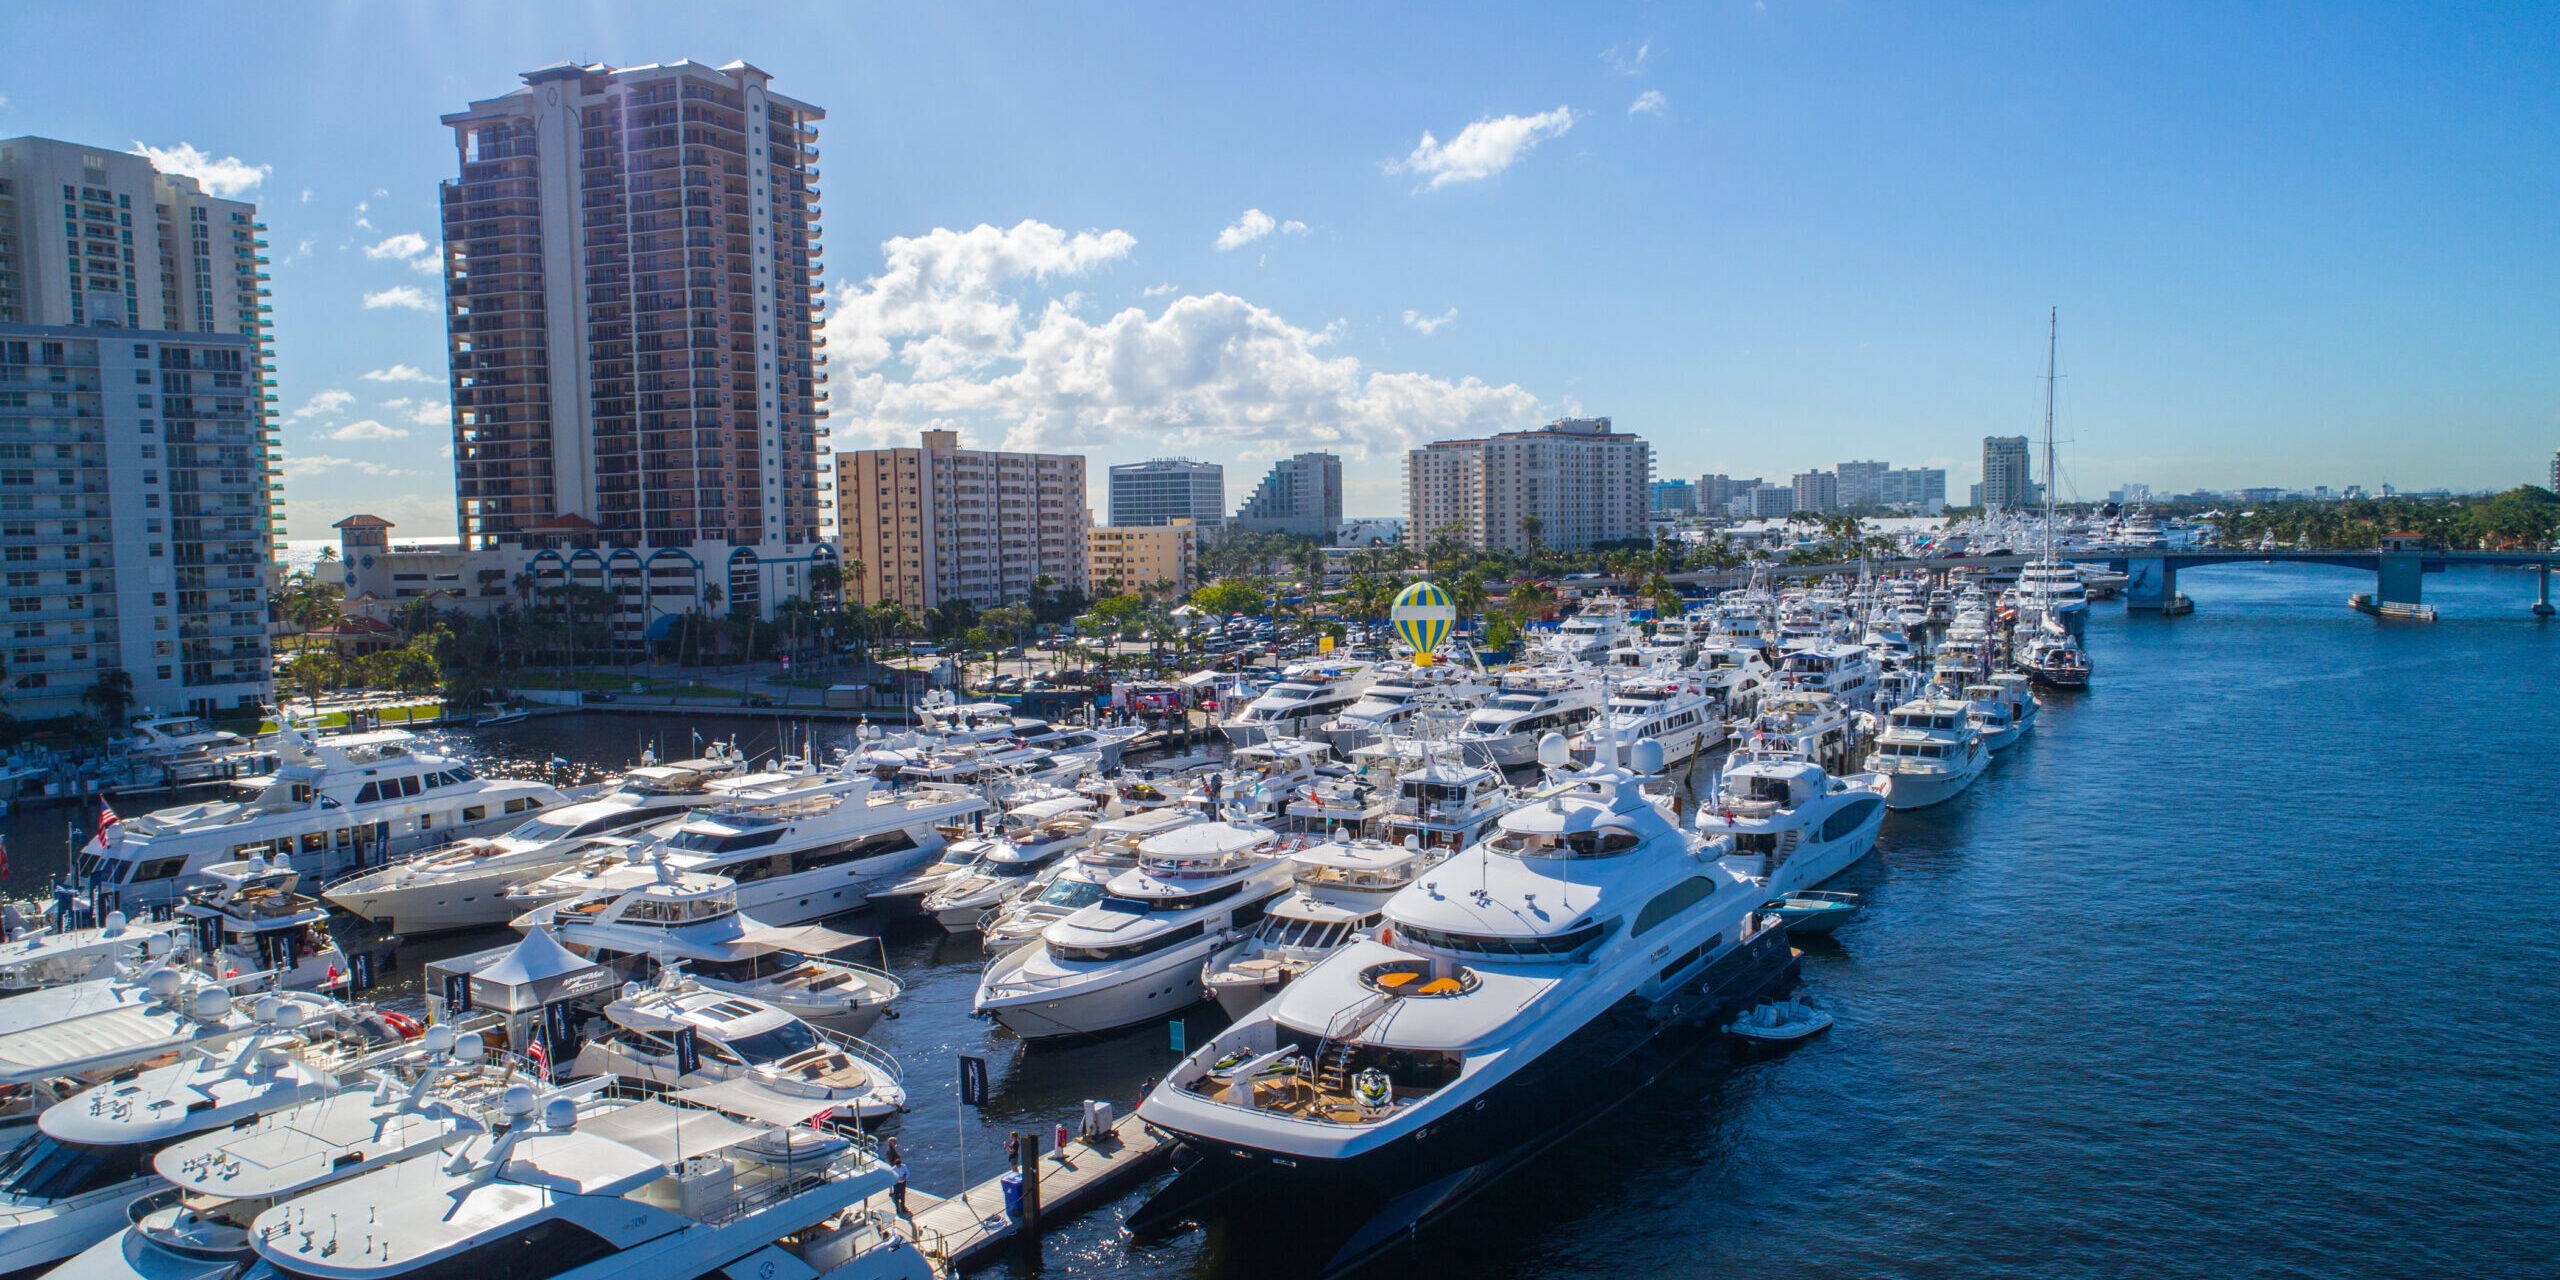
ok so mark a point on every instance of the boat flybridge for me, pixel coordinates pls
(1302, 699)
(1793, 725)
(1072, 884)
(726, 1180)
(678, 1033)
(1005, 862)
(1444, 804)
(1134, 956)
(1589, 635)
(2001, 709)
(691, 919)
(55, 958)
(1399, 692)
(1684, 717)
(1931, 750)
(463, 886)
(1263, 779)
(248, 919)
(335, 804)
(1805, 825)
(1845, 671)
(2052, 589)
(1505, 731)
(799, 848)
(1511, 994)
(1338, 890)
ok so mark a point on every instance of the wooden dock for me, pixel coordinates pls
(971, 1230)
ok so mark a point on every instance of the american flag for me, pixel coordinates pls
(540, 1053)
(106, 818)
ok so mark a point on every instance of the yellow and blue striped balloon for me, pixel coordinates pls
(1423, 618)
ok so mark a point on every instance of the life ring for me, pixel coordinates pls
(404, 1024)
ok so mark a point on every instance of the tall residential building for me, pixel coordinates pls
(1922, 489)
(1136, 557)
(1817, 492)
(2555, 471)
(1859, 482)
(2008, 477)
(1674, 498)
(1163, 490)
(1302, 495)
(1717, 492)
(631, 269)
(1570, 484)
(137, 469)
(1766, 502)
(940, 523)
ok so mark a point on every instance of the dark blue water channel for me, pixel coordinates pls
(2240, 964)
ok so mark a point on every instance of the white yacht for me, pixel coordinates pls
(248, 920)
(1512, 994)
(1930, 751)
(1684, 716)
(1587, 636)
(647, 1189)
(185, 750)
(691, 919)
(463, 886)
(1444, 805)
(1845, 671)
(1802, 726)
(335, 804)
(1997, 712)
(1340, 888)
(681, 1034)
(69, 1186)
(1302, 699)
(1075, 883)
(1262, 780)
(1504, 732)
(55, 958)
(942, 723)
(1010, 859)
(60, 1040)
(1805, 825)
(2052, 589)
(800, 849)
(1134, 957)
(1024, 811)
(1399, 692)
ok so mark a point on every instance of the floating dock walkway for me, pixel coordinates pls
(972, 1229)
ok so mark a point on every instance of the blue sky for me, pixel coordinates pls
(2291, 244)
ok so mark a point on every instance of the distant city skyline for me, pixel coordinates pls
(1764, 239)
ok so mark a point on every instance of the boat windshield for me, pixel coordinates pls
(777, 1044)
(45, 1168)
(1069, 895)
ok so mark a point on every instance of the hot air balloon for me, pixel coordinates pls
(1423, 617)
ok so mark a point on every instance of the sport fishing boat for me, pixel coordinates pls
(60, 957)
(1804, 825)
(691, 919)
(1073, 884)
(335, 804)
(1512, 994)
(1338, 890)
(1134, 956)
(248, 920)
(1504, 732)
(463, 886)
(1305, 696)
(1031, 838)
(1683, 716)
(681, 1034)
(1930, 751)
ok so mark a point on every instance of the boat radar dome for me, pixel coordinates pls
(209, 1005)
(469, 1048)
(517, 1101)
(115, 923)
(1646, 756)
(1553, 751)
(440, 1038)
(560, 1115)
(163, 983)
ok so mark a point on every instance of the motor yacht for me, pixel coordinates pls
(1802, 726)
(1303, 699)
(57, 957)
(335, 804)
(1400, 691)
(1504, 732)
(1512, 994)
(1262, 780)
(1997, 713)
(691, 919)
(463, 886)
(1134, 956)
(1683, 716)
(1930, 751)
(1845, 671)
(1588, 636)
(1804, 825)
(2052, 657)
(681, 1034)
(1339, 888)
(1006, 861)
(1072, 884)
(2051, 589)
(1444, 804)
(248, 919)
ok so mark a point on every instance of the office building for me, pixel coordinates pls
(1859, 483)
(1164, 490)
(1567, 485)
(1136, 558)
(2008, 478)
(937, 523)
(1919, 489)
(137, 468)
(1816, 492)
(1765, 502)
(631, 264)
(1674, 498)
(1717, 492)
(1301, 496)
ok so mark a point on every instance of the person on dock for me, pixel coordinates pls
(897, 1165)
(1013, 1150)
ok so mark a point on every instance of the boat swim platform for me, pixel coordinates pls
(971, 1230)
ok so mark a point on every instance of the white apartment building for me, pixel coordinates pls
(926, 525)
(1572, 483)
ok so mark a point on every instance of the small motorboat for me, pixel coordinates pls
(1782, 1021)
(1814, 910)
(503, 715)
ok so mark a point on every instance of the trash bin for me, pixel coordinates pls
(1013, 1194)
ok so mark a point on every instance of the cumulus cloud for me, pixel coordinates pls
(1427, 325)
(400, 373)
(1482, 149)
(1254, 225)
(941, 338)
(310, 464)
(1649, 103)
(368, 429)
(226, 177)
(407, 248)
(426, 411)
(1156, 290)
(329, 401)
(405, 296)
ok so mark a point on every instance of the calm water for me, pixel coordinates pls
(2238, 965)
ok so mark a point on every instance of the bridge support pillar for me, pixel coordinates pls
(2542, 601)
(2397, 576)
(2150, 582)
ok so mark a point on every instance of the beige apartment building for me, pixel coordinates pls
(1134, 559)
(1578, 479)
(937, 523)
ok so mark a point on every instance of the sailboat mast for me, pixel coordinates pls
(2052, 330)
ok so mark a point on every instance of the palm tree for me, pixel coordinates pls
(112, 695)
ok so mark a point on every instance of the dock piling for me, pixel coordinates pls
(1029, 1235)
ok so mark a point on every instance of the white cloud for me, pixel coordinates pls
(330, 401)
(367, 429)
(400, 373)
(1625, 63)
(940, 339)
(1427, 325)
(1156, 290)
(1649, 103)
(425, 411)
(408, 248)
(309, 464)
(1482, 149)
(226, 177)
(1253, 225)
(399, 295)
(306, 195)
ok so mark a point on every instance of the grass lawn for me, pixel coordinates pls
(390, 715)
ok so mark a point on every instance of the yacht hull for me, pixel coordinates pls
(1921, 790)
(478, 902)
(1169, 984)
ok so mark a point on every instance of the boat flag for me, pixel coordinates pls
(539, 1052)
(106, 818)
